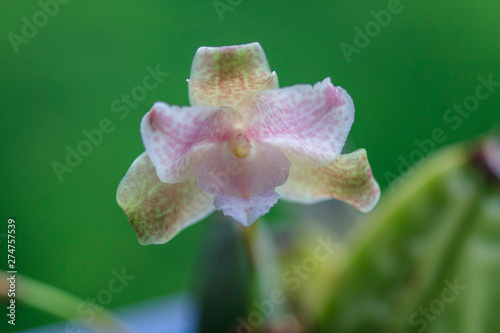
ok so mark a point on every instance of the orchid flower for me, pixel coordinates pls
(242, 144)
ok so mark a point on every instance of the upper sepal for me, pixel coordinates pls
(223, 76)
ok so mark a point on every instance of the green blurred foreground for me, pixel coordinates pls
(426, 260)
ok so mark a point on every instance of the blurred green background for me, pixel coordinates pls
(72, 234)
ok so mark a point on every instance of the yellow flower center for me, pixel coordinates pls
(241, 151)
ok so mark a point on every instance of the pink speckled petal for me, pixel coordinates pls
(176, 137)
(308, 123)
(223, 76)
(349, 178)
(159, 211)
(243, 186)
(246, 211)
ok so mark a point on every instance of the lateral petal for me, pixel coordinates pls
(308, 123)
(176, 137)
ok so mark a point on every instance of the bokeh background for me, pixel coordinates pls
(72, 234)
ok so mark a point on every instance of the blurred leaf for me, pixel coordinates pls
(438, 230)
(59, 303)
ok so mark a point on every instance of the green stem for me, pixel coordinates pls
(247, 235)
(59, 303)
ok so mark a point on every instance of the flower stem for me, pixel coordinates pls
(248, 238)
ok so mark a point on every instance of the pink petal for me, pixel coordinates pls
(176, 137)
(158, 211)
(248, 210)
(349, 178)
(243, 187)
(309, 124)
(223, 76)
